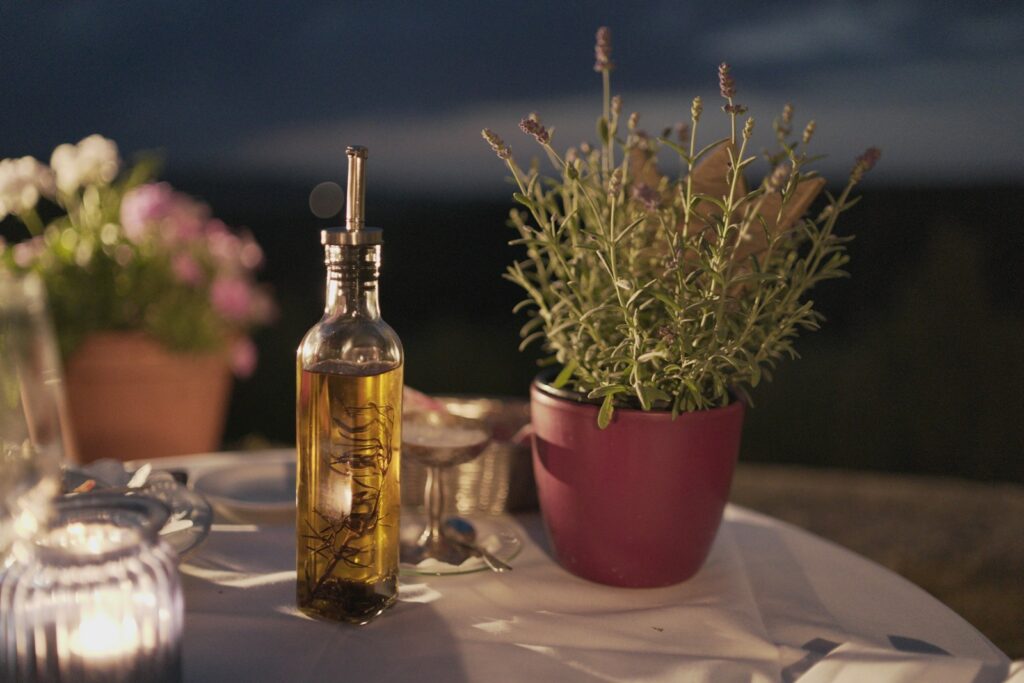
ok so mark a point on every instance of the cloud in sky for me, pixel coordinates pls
(951, 133)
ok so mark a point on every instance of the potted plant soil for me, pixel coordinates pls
(153, 299)
(661, 301)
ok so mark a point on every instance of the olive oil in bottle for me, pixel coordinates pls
(348, 432)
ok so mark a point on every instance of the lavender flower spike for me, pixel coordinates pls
(726, 84)
(531, 125)
(496, 143)
(865, 162)
(696, 108)
(787, 114)
(615, 183)
(647, 196)
(603, 50)
(775, 181)
(809, 131)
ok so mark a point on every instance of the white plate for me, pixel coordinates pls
(250, 489)
(190, 513)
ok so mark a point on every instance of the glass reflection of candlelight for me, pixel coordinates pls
(91, 539)
(337, 495)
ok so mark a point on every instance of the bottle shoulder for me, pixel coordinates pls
(352, 341)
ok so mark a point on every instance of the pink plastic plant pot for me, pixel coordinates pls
(637, 504)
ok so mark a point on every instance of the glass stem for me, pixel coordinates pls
(434, 496)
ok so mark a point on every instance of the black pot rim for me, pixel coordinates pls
(543, 383)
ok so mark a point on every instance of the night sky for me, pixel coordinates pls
(279, 89)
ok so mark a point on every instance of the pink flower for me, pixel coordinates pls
(223, 245)
(231, 297)
(143, 207)
(157, 208)
(186, 221)
(186, 270)
(25, 253)
(243, 357)
(250, 255)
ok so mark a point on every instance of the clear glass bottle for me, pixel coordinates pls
(348, 431)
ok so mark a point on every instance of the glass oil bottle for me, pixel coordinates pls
(348, 431)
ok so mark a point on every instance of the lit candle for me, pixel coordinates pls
(101, 600)
(103, 637)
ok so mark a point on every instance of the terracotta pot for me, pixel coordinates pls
(128, 398)
(637, 504)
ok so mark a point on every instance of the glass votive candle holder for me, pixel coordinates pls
(96, 597)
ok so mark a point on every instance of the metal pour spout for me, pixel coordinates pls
(354, 232)
(355, 202)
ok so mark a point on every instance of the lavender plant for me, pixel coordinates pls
(676, 294)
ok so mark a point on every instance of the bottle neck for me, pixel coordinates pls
(352, 276)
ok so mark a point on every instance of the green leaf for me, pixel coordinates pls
(746, 162)
(708, 198)
(521, 305)
(607, 391)
(532, 338)
(708, 148)
(604, 416)
(532, 185)
(629, 228)
(653, 394)
(634, 296)
(669, 302)
(565, 374)
(524, 200)
(678, 149)
(602, 130)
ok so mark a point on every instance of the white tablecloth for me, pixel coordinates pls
(773, 603)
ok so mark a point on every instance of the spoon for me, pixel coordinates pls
(463, 534)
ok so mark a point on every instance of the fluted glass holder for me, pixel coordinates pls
(96, 597)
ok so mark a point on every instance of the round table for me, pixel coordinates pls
(772, 603)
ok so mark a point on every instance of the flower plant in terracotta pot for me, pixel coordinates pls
(153, 299)
(660, 301)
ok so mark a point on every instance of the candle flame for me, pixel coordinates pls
(100, 635)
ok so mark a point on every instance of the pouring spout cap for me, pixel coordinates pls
(355, 203)
(354, 231)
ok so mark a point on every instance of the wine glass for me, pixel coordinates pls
(31, 410)
(439, 440)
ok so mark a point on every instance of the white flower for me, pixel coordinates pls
(22, 181)
(92, 161)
